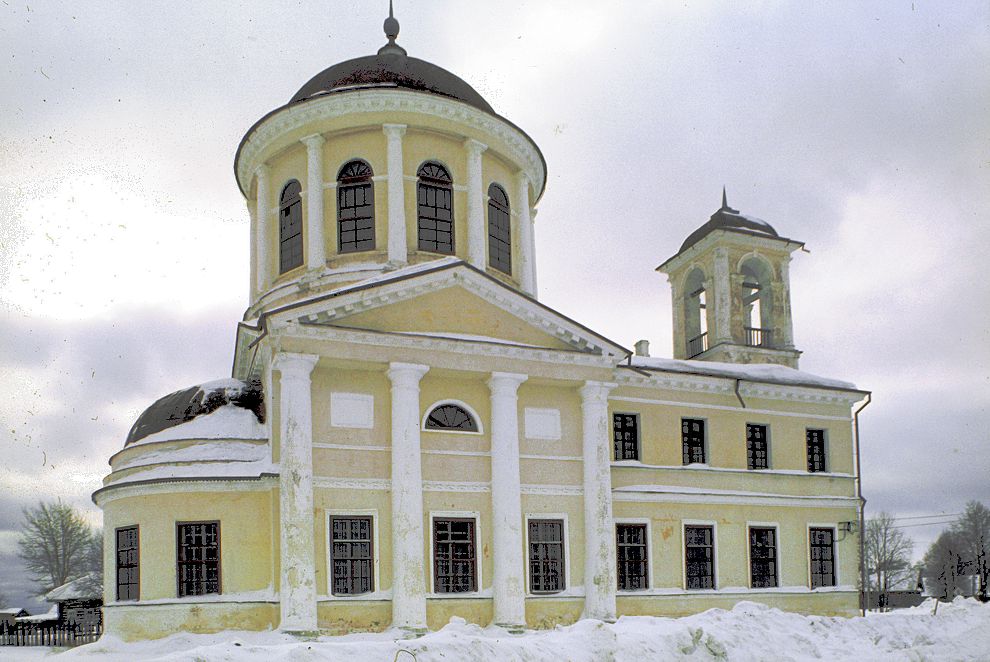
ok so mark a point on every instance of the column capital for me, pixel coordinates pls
(291, 364)
(406, 373)
(394, 130)
(475, 147)
(505, 382)
(313, 141)
(596, 391)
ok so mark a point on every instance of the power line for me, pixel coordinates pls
(908, 526)
(928, 516)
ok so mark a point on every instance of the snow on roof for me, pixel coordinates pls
(756, 372)
(12, 611)
(227, 422)
(209, 451)
(200, 470)
(87, 587)
(50, 615)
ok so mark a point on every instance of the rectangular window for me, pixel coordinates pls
(625, 435)
(454, 556)
(699, 556)
(128, 585)
(816, 451)
(693, 440)
(822, 547)
(631, 553)
(757, 455)
(763, 557)
(198, 558)
(352, 555)
(546, 555)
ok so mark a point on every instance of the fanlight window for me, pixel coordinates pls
(290, 239)
(451, 417)
(355, 208)
(499, 238)
(435, 210)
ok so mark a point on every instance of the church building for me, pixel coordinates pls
(409, 434)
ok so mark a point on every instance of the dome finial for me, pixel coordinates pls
(392, 32)
(725, 203)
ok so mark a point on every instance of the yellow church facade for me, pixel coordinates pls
(410, 435)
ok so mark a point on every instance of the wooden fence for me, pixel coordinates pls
(48, 634)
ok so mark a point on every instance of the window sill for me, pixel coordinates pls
(473, 595)
(373, 596)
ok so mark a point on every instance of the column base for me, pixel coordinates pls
(410, 632)
(512, 628)
(304, 635)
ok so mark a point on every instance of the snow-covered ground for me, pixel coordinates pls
(959, 631)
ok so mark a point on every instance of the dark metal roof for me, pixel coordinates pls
(185, 405)
(727, 218)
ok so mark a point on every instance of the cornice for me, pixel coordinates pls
(113, 491)
(676, 381)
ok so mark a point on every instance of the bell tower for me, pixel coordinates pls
(731, 292)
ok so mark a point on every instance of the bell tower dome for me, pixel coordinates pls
(731, 292)
(380, 163)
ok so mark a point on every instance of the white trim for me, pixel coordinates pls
(699, 522)
(326, 482)
(566, 542)
(457, 452)
(478, 556)
(460, 403)
(541, 423)
(705, 594)
(350, 447)
(682, 495)
(649, 553)
(835, 551)
(635, 464)
(553, 458)
(115, 491)
(352, 410)
(699, 405)
(777, 553)
(375, 552)
(384, 484)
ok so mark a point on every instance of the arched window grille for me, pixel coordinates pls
(355, 208)
(290, 239)
(451, 417)
(499, 237)
(435, 209)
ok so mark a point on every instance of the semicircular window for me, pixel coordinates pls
(451, 417)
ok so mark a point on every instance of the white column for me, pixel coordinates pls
(253, 252)
(786, 322)
(408, 576)
(475, 203)
(509, 578)
(526, 258)
(396, 194)
(677, 315)
(297, 585)
(316, 252)
(263, 212)
(721, 298)
(599, 529)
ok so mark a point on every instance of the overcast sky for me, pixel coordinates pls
(862, 129)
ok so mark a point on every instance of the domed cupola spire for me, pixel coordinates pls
(725, 204)
(392, 32)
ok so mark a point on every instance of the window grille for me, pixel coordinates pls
(352, 555)
(625, 436)
(631, 553)
(822, 548)
(763, 557)
(816, 451)
(198, 558)
(355, 208)
(290, 254)
(757, 455)
(454, 557)
(435, 209)
(128, 566)
(693, 440)
(499, 234)
(699, 555)
(546, 556)
(451, 417)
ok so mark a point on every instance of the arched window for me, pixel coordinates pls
(449, 416)
(290, 239)
(355, 208)
(499, 237)
(435, 209)
(756, 301)
(695, 313)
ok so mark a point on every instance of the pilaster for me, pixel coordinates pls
(599, 536)
(297, 582)
(408, 576)
(509, 578)
(316, 251)
(475, 203)
(527, 243)
(263, 213)
(397, 241)
(721, 297)
(786, 321)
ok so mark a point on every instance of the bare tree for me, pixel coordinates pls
(944, 566)
(972, 531)
(56, 544)
(888, 556)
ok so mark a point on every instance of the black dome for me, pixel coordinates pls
(185, 405)
(728, 218)
(391, 69)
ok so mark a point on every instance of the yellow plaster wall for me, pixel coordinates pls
(139, 622)
(367, 144)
